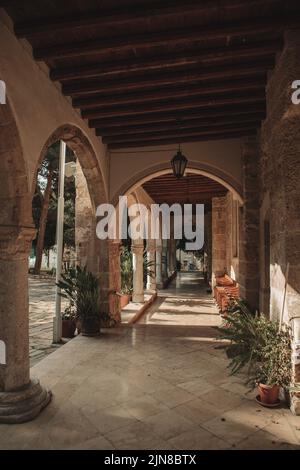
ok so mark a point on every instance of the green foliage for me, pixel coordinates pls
(257, 345)
(51, 161)
(81, 288)
(148, 267)
(126, 271)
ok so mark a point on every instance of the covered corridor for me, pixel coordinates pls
(159, 104)
(160, 384)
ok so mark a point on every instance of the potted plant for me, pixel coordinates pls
(81, 287)
(68, 322)
(259, 346)
(273, 369)
(126, 277)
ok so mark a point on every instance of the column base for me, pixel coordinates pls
(138, 298)
(23, 405)
(295, 404)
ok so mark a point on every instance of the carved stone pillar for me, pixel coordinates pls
(151, 280)
(138, 272)
(21, 399)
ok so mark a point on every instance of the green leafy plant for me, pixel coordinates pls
(81, 288)
(126, 271)
(148, 267)
(69, 313)
(257, 345)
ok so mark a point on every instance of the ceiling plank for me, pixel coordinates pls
(175, 125)
(232, 86)
(208, 55)
(176, 104)
(189, 113)
(194, 131)
(178, 140)
(196, 75)
(240, 28)
(123, 14)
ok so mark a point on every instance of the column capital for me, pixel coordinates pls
(15, 241)
(137, 249)
(114, 247)
(151, 246)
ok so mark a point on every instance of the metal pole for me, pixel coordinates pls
(59, 241)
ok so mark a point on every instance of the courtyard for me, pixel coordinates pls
(160, 384)
(108, 110)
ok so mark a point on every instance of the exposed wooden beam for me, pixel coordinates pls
(179, 124)
(176, 104)
(150, 81)
(208, 55)
(194, 131)
(155, 143)
(232, 86)
(171, 116)
(240, 28)
(122, 14)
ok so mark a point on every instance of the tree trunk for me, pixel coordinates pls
(42, 224)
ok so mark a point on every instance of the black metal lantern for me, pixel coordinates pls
(179, 162)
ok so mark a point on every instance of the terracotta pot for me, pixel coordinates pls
(268, 394)
(124, 300)
(68, 328)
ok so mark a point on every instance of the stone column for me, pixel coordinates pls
(21, 399)
(85, 222)
(208, 245)
(218, 237)
(165, 259)
(158, 264)
(249, 225)
(138, 272)
(171, 256)
(114, 280)
(151, 281)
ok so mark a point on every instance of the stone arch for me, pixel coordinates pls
(83, 149)
(15, 209)
(193, 167)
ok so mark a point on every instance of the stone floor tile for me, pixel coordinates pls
(198, 439)
(168, 424)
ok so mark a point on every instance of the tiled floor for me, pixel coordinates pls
(161, 384)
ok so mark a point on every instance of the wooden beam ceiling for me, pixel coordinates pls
(120, 15)
(168, 61)
(152, 39)
(155, 72)
(190, 189)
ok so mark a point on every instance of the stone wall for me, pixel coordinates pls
(249, 225)
(280, 189)
(219, 234)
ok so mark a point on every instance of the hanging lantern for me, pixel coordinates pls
(179, 162)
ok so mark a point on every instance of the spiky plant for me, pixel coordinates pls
(257, 345)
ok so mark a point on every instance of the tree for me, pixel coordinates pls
(45, 203)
